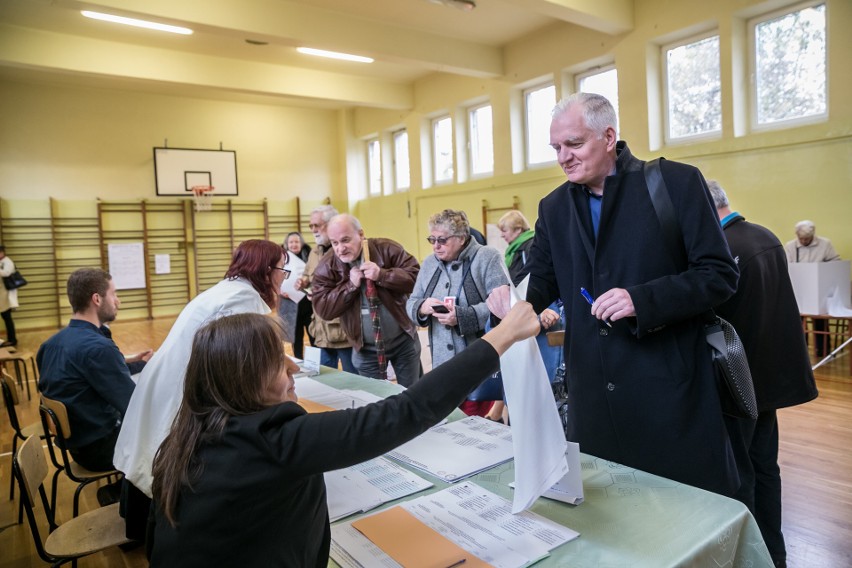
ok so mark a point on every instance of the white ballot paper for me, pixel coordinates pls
(569, 489)
(470, 517)
(539, 439)
(315, 391)
(367, 485)
(458, 449)
(296, 266)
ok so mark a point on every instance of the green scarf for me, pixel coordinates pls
(515, 245)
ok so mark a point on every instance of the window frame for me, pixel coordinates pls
(371, 154)
(664, 49)
(436, 180)
(751, 26)
(526, 117)
(396, 161)
(471, 139)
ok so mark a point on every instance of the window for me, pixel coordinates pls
(374, 167)
(401, 167)
(442, 144)
(693, 89)
(603, 82)
(538, 105)
(789, 65)
(481, 140)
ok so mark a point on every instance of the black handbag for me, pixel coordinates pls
(733, 376)
(14, 281)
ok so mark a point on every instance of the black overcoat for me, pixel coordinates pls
(641, 393)
(766, 316)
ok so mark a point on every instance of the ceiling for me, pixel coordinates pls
(49, 41)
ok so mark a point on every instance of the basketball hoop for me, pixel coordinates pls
(203, 195)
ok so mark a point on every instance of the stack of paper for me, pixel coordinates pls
(463, 524)
(313, 391)
(459, 449)
(367, 485)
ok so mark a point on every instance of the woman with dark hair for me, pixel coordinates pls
(238, 481)
(296, 316)
(250, 285)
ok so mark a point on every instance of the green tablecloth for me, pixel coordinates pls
(629, 517)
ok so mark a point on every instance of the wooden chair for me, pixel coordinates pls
(11, 400)
(81, 536)
(54, 417)
(20, 359)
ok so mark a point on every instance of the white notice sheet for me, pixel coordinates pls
(459, 449)
(367, 485)
(471, 517)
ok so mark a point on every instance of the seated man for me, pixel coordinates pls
(83, 369)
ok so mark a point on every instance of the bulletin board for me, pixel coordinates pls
(177, 170)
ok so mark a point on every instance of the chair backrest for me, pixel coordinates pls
(31, 466)
(59, 424)
(10, 399)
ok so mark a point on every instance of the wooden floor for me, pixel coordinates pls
(815, 458)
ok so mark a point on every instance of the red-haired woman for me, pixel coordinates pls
(250, 285)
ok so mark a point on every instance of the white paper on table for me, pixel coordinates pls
(474, 519)
(296, 266)
(837, 306)
(458, 449)
(539, 439)
(367, 485)
(310, 365)
(331, 397)
(569, 489)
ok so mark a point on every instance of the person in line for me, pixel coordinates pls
(250, 285)
(328, 334)
(83, 369)
(240, 407)
(515, 230)
(808, 247)
(765, 314)
(297, 316)
(466, 271)
(8, 300)
(642, 390)
(369, 295)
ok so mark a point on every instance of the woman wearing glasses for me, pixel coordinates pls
(451, 288)
(250, 285)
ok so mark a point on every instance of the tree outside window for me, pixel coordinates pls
(693, 88)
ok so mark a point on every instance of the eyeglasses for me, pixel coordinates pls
(313, 226)
(440, 240)
(282, 269)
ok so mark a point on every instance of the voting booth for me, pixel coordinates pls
(814, 282)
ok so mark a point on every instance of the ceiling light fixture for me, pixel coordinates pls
(464, 5)
(334, 55)
(137, 23)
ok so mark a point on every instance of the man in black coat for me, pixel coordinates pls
(641, 385)
(765, 314)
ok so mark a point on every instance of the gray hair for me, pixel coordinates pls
(597, 111)
(805, 229)
(720, 199)
(327, 212)
(452, 221)
(346, 218)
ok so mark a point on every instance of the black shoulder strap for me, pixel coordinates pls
(662, 205)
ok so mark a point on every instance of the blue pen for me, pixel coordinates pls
(588, 297)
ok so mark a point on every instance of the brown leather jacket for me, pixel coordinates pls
(327, 334)
(335, 296)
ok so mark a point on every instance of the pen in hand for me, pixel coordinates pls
(590, 300)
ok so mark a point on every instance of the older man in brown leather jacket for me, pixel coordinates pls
(342, 285)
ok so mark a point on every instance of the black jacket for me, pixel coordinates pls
(765, 314)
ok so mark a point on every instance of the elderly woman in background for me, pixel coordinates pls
(451, 288)
(296, 316)
(251, 285)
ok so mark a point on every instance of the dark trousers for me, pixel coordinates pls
(404, 355)
(136, 509)
(822, 342)
(755, 445)
(97, 456)
(10, 326)
(304, 311)
(330, 357)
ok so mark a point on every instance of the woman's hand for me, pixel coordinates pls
(548, 318)
(518, 324)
